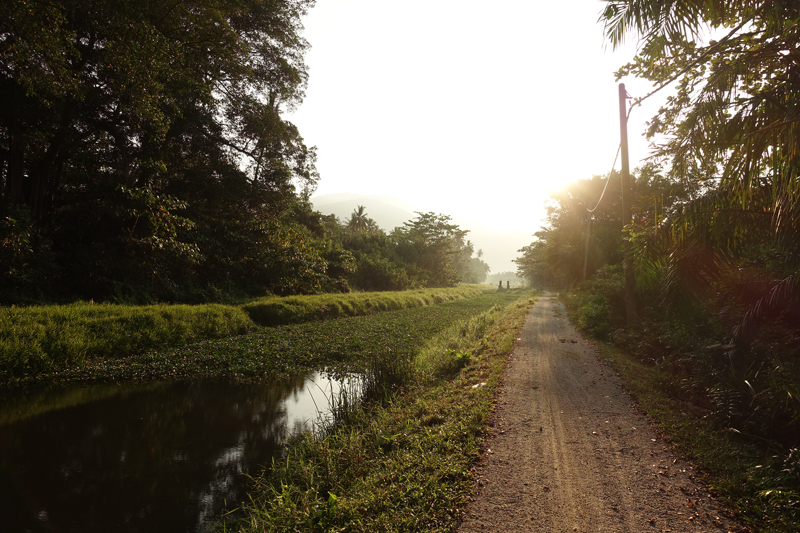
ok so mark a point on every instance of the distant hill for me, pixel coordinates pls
(387, 211)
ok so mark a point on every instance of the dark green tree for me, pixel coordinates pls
(358, 220)
(471, 269)
(557, 257)
(429, 245)
(146, 141)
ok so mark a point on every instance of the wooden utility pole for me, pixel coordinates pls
(630, 280)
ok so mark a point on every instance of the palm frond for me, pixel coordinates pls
(782, 294)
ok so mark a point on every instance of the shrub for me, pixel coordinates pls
(598, 304)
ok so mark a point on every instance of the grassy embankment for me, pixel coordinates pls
(756, 476)
(734, 465)
(67, 342)
(400, 462)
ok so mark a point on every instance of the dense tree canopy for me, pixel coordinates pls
(731, 125)
(142, 144)
(734, 111)
(124, 92)
(359, 221)
(429, 244)
(427, 251)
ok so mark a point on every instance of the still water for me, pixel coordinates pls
(157, 458)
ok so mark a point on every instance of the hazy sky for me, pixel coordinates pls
(471, 109)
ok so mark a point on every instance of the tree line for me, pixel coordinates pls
(144, 156)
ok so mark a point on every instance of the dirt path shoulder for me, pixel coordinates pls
(570, 451)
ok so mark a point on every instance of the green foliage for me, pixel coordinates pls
(133, 253)
(275, 311)
(40, 339)
(402, 465)
(470, 269)
(153, 168)
(427, 251)
(730, 126)
(777, 488)
(445, 355)
(24, 258)
(360, 223)
(556, 259)
(599, 303)
(376, 273)
(732, 110)
(428, 244)
(96, 341)
(758, 478)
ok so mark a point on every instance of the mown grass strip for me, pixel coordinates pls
(403, 465)
(730, 463)
(273, 311)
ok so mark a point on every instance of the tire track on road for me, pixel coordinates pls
(570, 451)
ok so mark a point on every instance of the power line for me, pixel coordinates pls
(684, 70)
(619, 147)
(607, 181)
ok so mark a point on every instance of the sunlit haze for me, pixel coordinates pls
(471, 109)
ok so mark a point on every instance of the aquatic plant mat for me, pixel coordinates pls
(400, 461)
(100, 342)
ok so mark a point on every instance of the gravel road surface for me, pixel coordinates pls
(571, 451)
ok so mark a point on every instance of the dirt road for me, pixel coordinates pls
(570, 451)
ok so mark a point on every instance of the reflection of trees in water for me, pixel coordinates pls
(159, 460)
(15, 407)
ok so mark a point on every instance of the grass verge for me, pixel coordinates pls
(734, 466)
(401, 464)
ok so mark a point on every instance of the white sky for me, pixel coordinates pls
(471, 109)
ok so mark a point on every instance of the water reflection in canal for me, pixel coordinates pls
(157, 458)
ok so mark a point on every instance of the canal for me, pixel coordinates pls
(166, 457)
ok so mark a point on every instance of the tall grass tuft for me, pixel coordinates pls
(381, 378)
(341, 403)
(386, 374)
(444, 355)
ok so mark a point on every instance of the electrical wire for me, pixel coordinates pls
(607, 182)
(619, 147)
(638, 101)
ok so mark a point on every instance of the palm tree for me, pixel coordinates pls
(359, 221)
(733, 124)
